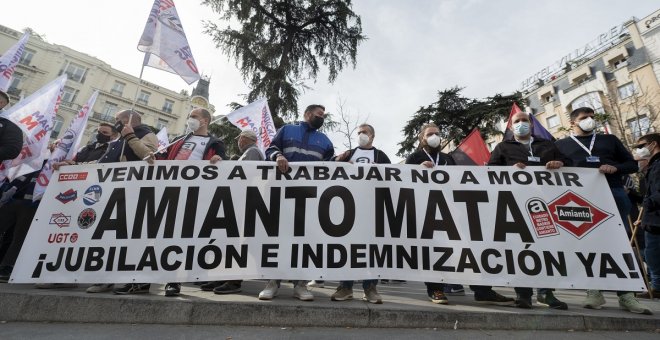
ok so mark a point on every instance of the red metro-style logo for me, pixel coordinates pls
(576, 215)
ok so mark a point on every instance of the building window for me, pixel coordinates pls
(591, 100)
(623, 62)
(118, 88)
(26, 58)
(549, 98)
(639, 126)
(69, 94)
(168, 106)
(553, 121)
(108, 111)
(626, 90)
(57, 126)
(16, 80)
(160, 124)
(143, 98)
(74, 72)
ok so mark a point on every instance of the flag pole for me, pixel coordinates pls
(137, 91)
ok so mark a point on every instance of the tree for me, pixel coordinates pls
(347, 125)
(457, 116)
(629, 113)
(279, 44)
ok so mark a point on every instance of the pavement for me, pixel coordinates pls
(404, 306)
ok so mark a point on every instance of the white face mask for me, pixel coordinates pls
(363, 139)
(521, 129)
(433, 141)
(587, 125)
(193, 124)
(642, 152)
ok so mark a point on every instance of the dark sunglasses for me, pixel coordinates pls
(638, 146)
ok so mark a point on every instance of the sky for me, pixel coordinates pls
(415, 48)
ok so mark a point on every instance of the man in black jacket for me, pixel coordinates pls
(365, 153)
(520, 150)
(588, 149)
(11, 136)
(92, 152)
(649, 146)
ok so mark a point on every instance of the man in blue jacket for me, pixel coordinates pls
(300, 142)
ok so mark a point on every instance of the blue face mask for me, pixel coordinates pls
(521, 129)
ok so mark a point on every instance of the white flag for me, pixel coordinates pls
(165, 43)
(67, 147)
(255, 117)
(9, 60)
(34, 115)
(163, 140)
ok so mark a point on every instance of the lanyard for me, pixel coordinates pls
(531, 140)
(437, 158)
(591, 146)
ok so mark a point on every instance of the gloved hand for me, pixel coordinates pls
(7, 195)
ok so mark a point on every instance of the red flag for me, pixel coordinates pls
(514, 109)
(472, 150)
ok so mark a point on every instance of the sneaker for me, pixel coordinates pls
(55, 285)
(371, 295)
(594, 300)
(342, 294)
(316, 284)
(438, 296)
(454, 290)
(628, 301)
(524, 302)
(645, 295)
(210, 286)
(549, 299)
(172, 289)
(494, 298)
(301, 292)
(133, 288)
(228, 287)
(100, 288)
(270, 291)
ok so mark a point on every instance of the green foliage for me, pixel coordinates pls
(228, 133)
(278, 44)
(456, 116)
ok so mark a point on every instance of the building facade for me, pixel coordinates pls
(617, 74)
(42, 62)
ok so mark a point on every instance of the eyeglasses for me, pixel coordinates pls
(639, 146)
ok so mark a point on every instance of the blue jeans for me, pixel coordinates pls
(624, 206)
(365, 284)
(652, 252)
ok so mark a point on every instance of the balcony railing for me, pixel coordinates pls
(103, 117)
(71, 105)
(12, 91)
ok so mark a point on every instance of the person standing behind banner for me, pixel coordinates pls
(11, 136)
(92, 152)
(366, 154)
(649, 146)
(429, 154)
(247, 145)
(300, 142)
(136, 141)
(586, 149)
(522, 150)
(197, 145)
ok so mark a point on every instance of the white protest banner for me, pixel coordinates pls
(34, 115)
(165, 43)
(255, 117)
(67, 147)
(10, 59)
(163, 139)
(183, 221)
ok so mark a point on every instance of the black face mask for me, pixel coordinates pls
(316, 122)
(101, 138)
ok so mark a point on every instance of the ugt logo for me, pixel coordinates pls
(576, 215)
